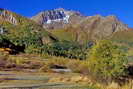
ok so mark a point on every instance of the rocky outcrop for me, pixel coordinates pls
(101, 27)
(2, 30)
(7, 16)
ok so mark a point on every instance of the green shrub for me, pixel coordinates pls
(33, 49)
(24, 36)
(107, 61)
(2, 39)
(66, 49)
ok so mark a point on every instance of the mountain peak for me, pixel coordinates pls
(58, 16)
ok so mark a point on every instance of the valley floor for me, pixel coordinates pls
(28, 80)
(47, 72)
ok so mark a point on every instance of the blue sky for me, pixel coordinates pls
(123, 9)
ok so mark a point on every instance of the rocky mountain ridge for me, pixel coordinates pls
(60, 18)
(80, 27)
(7, 16)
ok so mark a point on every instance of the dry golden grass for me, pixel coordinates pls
(77, 66)
(114, 85)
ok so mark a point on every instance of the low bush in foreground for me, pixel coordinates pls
(107, 61)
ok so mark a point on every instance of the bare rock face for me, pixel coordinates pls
(7, 16)
(55, 19)
(101, 27)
